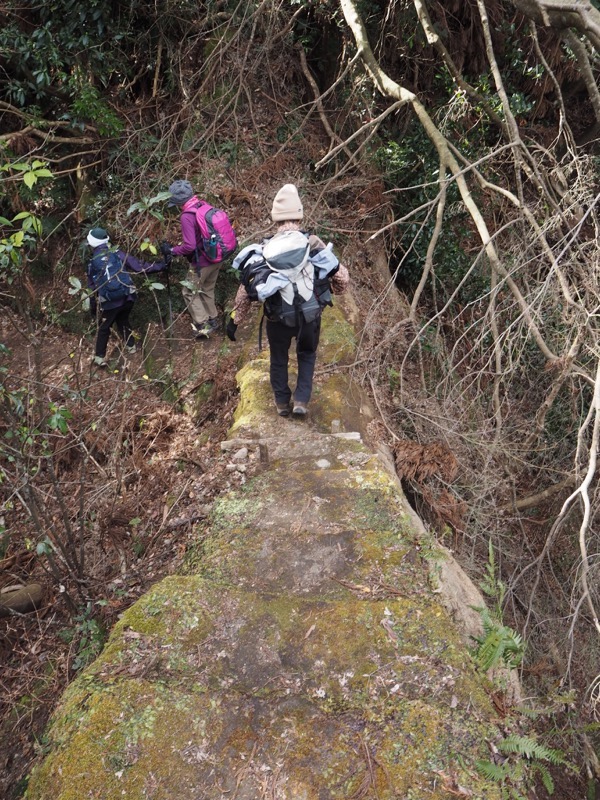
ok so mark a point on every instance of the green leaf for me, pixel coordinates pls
(147, 245)
(21, 215)
(157, 286)
(29, 179)
(43, 173)
(159, 198)
(43, 548)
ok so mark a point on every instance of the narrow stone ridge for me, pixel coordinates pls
(306, 656)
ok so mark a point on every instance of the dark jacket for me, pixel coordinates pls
(132, 264)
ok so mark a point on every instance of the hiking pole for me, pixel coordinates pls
(169, 301)
(165, 249)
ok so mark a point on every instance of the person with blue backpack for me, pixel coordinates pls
(113, 292)
(293, 274)
(208, 238)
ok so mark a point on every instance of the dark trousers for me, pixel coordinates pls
(108, 318)
(307, 340)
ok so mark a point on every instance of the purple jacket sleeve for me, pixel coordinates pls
(191, 247)
(135, 265)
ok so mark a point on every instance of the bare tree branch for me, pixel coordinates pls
(390, 88)
(561, 14)
(435, 40)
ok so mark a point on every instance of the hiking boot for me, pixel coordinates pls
(214, 323)
(100, 361)
(132, 349)
(300, 409)
(283, 409)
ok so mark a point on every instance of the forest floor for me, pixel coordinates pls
(141, 530)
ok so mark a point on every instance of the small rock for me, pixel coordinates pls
(241, 455)
(336, 426)
(353, 436)
(322, 463)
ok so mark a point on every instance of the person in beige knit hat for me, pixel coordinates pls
(287, 211)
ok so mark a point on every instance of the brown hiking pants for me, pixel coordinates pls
(200, 301)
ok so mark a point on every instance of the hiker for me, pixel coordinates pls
(208, 238)
(113, 289)
(294, 286)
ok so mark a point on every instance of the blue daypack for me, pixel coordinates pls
(110, 278)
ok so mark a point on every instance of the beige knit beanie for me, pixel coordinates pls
(287, 204)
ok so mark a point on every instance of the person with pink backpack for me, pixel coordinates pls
(208, 238)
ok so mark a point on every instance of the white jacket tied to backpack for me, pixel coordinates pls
(284, 266)
(287, 254)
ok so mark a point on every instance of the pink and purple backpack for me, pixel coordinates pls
(218, 236)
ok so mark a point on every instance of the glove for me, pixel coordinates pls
(167, 250)
(231, 327)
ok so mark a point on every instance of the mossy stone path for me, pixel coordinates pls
(305, 654)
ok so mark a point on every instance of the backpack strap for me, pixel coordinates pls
(260, 330)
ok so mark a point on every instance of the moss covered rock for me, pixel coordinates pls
(304, 653)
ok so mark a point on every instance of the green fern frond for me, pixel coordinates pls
(514, 795)
(545, 776)
(499, 643)
(493, 772)
(530, 748)
(490, 584)
(516, 773)
(489, 651)
(531, 713)
(488, 623)
(513, 647)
